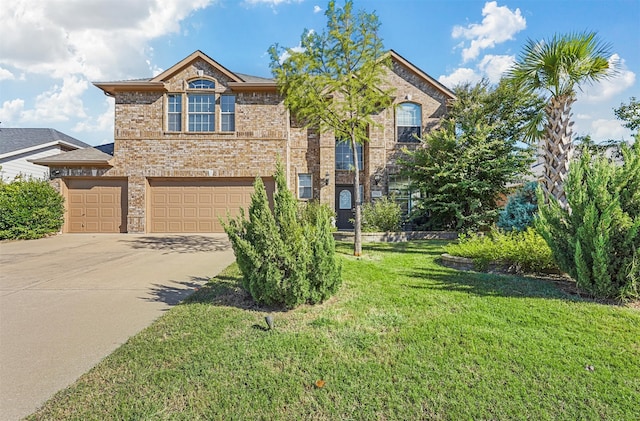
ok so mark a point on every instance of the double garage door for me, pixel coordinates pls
(195, 205)
(184, 205)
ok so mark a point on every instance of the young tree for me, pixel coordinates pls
(333, 82)
(464, 166)
(630, 114)
(556, 68)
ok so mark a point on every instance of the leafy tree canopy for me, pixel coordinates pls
(463, 167)
(630, 114)
(334, 81)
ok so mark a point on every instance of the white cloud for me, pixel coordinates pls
(499, 24)
(102, 123)
(59, 103)
(460, 76)
(494, 66)
(11, 111)
(68, 43)
(317, 9)
(491, 67)
(98, 39)
(608, 88)
(602, 129)
(6, 74)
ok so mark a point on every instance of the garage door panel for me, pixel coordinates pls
(97, 205)
(194, 205)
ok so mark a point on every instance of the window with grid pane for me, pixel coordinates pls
(409, 122)
(202, 84)
(201, 113)
(304, 186)
(228, 112)
(344, 156)
(174, 113)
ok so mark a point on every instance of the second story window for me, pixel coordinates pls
(344, 156)
(202, 84)
(409, 122)
(228, 113)
(174, 114)
(202, 113)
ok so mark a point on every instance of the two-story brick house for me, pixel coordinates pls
(190, 142)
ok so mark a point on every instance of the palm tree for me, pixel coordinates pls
(555, 68)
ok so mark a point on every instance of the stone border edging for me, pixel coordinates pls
(396, 237)
(465, 263)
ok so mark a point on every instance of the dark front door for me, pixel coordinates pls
(345, 205)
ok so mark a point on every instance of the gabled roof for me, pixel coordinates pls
(416, 70)
(238, 81)
(88, 156)
(19, 140)
(196, 55)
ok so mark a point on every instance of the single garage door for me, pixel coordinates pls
(194, 205)
(97, 205)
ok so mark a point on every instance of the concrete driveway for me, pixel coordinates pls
(68, 301)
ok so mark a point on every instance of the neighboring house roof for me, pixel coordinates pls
(88, 156)
(106, 148)
(15, 141)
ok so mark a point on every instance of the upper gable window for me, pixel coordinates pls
(409, 122)
(202, 84)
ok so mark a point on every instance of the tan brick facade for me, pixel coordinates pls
(146, 149)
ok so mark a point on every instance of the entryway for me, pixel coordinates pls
(345, 207)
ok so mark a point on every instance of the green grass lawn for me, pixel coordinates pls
(404, 338)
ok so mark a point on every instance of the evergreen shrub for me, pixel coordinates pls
(521, 209)
(596, 239)
(29, 208)
(286, 257)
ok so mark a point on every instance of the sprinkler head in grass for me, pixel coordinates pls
(269, 321)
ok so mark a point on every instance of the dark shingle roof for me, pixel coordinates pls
(106, 148)
(254, 79)
(12, 139)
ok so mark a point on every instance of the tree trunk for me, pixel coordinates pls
(357, 225)
(558, 146)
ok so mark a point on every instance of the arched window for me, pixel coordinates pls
(202, 84)
(408, 122)
(201, 108)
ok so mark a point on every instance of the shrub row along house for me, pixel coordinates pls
(190, 142)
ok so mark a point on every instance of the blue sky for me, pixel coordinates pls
(51, 50)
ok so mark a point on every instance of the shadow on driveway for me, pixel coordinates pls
(173, 295)
(180, 243)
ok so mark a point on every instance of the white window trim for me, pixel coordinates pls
(301, 186)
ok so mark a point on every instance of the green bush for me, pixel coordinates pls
(521, 209)
(382, 215)
(525, 250)
(324, 270)
(29, 208)
(596, 239)
(286, 258)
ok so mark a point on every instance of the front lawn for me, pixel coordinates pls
(403, 339)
